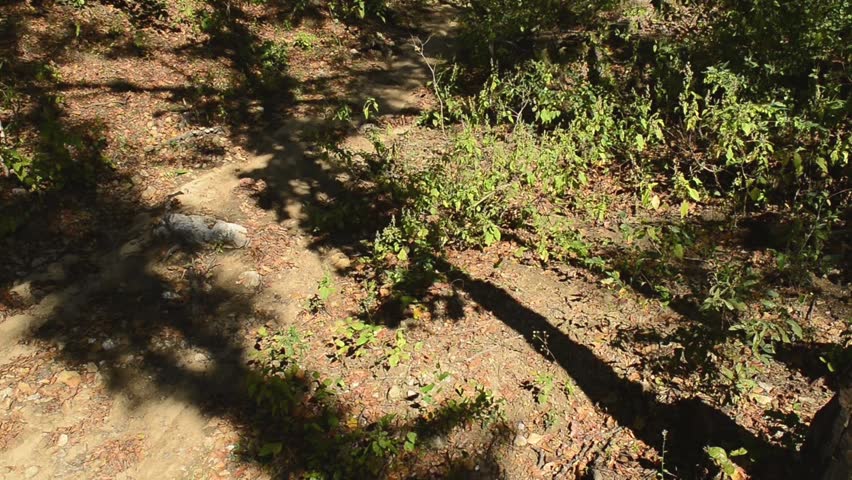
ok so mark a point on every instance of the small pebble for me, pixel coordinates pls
(534, 438)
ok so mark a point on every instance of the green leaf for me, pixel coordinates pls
(270, 449)
(684, 209)
(797, 163)
(693, 194)
(797, 329)
(492, 234)
(640, 142)
(738, 452)
(717, 453)
(655, 202)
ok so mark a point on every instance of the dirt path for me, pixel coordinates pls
(116, 407)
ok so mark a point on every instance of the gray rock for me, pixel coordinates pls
(340, 261)
(367, 128)
(24, 291)
(170, 295)
(250, 279)
(199, 229)
(437, 442)
(63, 440)
(520, 440)
(395, 393)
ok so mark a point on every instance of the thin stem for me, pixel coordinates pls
(421, 49)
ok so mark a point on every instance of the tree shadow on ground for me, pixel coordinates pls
(157, 328)
(691, 424)
(738, 261)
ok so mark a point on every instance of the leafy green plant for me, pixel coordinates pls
(62, 157)
(205, 20)
(305, 40)
(729, 290)
(280, 350)
(839, 357)
(722, 459)
(343, 114)
(773, 325)
(462, 409)
(273, 58)
(277, 383)
(541, 387)
(358, 9)
(397, 352)
(325, 289)
(570, 388)
(353, 337)
(371, 106)
(377, 444)
(740, 380)
(410, 442)
(428, 391)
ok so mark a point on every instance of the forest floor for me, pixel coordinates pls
(125, 355)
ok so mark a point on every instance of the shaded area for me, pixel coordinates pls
(691, 423)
